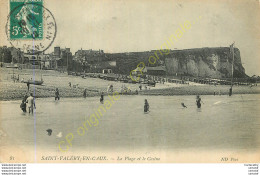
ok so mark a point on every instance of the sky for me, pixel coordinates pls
(128, 26)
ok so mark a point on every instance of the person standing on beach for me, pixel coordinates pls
(230, 91)
(85, 93)
(198, 101)
(146, 106)
(23, 104)
(57, 94)
(28, 86)
(102, 98)
(31, 101)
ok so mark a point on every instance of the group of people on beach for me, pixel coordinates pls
(198, 103)
(30, 100)
(31, 103)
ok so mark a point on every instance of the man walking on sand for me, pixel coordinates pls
(28, 86)
(31, 103)
(57, 94)
(85, 93)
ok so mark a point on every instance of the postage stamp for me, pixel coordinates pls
(26, 22)
(30, 26)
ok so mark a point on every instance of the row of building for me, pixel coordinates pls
(59, 59)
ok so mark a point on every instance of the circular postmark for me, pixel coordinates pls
(30, 27)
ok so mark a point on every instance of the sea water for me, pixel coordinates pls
(223, 122)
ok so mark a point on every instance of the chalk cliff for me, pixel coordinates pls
(203, 62)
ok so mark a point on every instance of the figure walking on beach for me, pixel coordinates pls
(23, 104)
(57, 94)
(230, 91)
(198, 101)
(28, 86)
(31, 101)
(146, 106)
(85, 93)
(102, 98)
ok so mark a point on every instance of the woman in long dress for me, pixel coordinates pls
(198, 101)
(146, 106)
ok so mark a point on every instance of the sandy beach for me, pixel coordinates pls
(53, 79)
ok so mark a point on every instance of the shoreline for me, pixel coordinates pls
(202, 90)
(175, 91)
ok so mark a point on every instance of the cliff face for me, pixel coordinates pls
(203, 62)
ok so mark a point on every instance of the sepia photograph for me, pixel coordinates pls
(129, 81)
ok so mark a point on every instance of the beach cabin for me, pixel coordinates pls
(107, 71)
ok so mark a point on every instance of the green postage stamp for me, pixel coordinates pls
(30, 27)
(26, 19)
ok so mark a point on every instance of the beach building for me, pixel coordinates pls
(61, 58)
(90, 56)
(104, 67)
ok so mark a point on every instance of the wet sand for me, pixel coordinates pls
(203, 90)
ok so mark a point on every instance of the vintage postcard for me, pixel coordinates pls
(129, 81)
